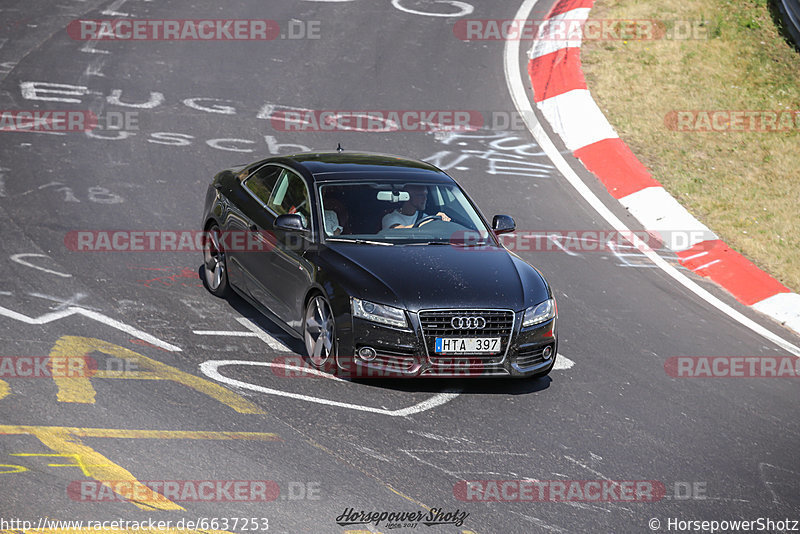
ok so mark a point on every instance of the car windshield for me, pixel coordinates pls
(400, 213)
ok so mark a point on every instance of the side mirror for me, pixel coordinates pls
(502, 224)
(290, 222)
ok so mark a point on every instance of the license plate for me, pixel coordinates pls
(459, 345)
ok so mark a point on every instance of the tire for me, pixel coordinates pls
(215, 267)
(319, 334)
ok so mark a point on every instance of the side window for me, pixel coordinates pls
(290, 195)
(262, 182)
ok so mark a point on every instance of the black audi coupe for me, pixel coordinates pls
(382, 265)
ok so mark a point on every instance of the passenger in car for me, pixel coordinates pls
(335, 215)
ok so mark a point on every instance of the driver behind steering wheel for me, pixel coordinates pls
(412, 210)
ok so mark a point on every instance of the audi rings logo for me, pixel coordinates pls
(468, 323)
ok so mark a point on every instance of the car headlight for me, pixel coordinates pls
(539, 313)
(379, 313)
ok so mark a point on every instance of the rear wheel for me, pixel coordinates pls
(215, 268)
(319, 333)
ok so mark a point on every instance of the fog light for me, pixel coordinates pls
(547, 352)
(367, 354)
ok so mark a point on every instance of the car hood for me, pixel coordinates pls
(436, 276)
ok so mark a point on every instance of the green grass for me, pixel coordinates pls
(743, 185)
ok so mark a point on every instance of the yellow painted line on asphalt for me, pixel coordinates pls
(91, 463)
(80, 389)
(173, 434)
(122, 433)
(14, 469)
(78, 460)
(5, 390)
(75, 386)
(131, 375)
(66, 443)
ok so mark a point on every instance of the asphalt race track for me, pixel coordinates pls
(721, 448)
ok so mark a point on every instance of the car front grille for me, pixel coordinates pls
(395, 360)
(438, 323)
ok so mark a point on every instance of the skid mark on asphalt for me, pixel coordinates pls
(416, 454)
(538, 522)
(348, 460)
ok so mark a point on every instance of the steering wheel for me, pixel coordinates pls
(426, 219)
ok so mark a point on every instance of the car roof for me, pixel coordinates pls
(324, 166)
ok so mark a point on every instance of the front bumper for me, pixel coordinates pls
(408, 353)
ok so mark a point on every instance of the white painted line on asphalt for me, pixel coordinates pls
(464, 9)
(254, 331)
(106, 320)
(111, 11)
(223, 333)
(562, 363)
(210, 369)
(259, 332)
(18, 259)
(523, 105)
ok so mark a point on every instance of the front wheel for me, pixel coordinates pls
(319, 333)
(215, 268)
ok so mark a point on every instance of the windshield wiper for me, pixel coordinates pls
(471, 243)
(452, 243)
(359, 241)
